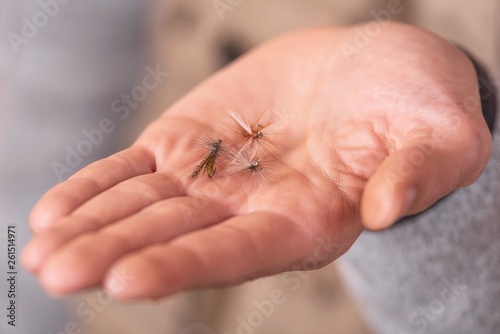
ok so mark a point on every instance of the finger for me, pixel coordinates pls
(83, 262)
(240, 248)
(419, 174)
(90, 181)
(120, 201)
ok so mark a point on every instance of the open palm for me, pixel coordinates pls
(363, 140)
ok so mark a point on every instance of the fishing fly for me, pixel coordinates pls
(214, 151)
(251, 166)
(250, 131)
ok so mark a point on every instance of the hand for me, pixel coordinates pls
(365, 142)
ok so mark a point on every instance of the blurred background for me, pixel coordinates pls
(52, 90)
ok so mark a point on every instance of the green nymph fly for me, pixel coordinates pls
(214, 150)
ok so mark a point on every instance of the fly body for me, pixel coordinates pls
(208, 164)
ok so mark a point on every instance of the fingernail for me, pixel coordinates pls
(408, 202)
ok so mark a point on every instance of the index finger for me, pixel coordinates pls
(90, 181)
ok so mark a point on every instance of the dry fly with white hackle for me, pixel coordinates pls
(251, 130)
(253, 166)
(214, 151)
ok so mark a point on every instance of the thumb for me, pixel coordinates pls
(419, 174)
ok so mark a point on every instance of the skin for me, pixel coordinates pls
(365, 140)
